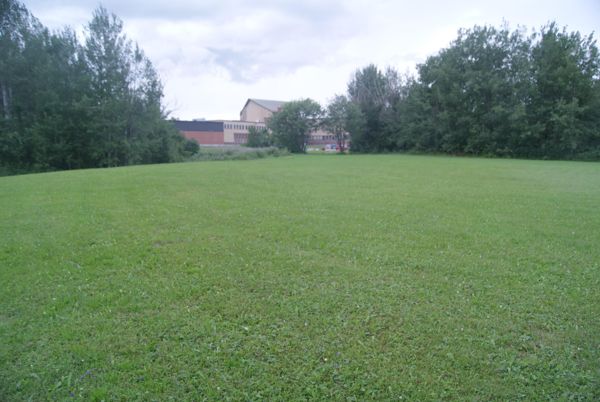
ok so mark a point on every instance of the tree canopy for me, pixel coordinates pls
(492, 92)
(67, 104)
(292, 125)
(342, 118)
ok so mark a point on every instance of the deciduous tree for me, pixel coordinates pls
(292, 125)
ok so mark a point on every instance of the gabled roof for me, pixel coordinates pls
(272, 105)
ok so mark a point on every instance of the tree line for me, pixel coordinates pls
(67, 105)
(492, 92)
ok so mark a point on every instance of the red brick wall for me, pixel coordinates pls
(205, 137)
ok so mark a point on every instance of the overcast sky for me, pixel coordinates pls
(212, 55)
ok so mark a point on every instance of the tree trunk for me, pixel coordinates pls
(5, 101)
(339, 136)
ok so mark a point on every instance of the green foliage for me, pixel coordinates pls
(565, 100)
(292, 125)
(473, 92)
(237, 153)
(259, 137)
(342, 119)
(191, 147)
(491, 92)
(367, 277)
(374, 93)
(66, 105)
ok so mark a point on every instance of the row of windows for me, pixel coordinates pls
(240, 126)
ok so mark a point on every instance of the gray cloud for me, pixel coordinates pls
(234, 49)
(247, 39)
(238, 64)
(214, 10)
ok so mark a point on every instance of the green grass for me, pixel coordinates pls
(300, 278)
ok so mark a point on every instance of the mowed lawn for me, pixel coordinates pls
(299, 278)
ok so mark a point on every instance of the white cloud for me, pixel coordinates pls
(212, 55)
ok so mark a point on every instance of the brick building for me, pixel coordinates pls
(255, 113)
(201, 131)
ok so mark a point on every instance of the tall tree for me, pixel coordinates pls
(65, 106)
(375, 93)
(109, 56)
(497, 92)
(564, 101)
(472, 89)
(21, 61)
(129, 121)
(342, 118)
(292, 125)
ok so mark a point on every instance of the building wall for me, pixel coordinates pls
(255, 113)
(236, 132)
(322, 137)
(205, 137)
(202, 131)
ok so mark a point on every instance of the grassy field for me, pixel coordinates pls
(306, 277)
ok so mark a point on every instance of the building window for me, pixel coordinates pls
(240, 138)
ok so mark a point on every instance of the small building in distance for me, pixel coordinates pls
(255, 113)
(216, 132)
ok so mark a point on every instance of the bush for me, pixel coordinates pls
(259, 137)
(191, 147)
(237, 153)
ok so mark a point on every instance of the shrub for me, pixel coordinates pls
(238, 153)
(259, 137)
